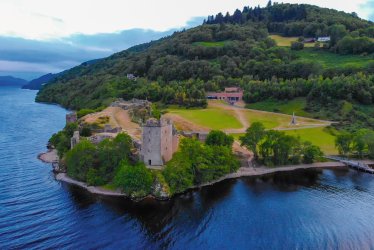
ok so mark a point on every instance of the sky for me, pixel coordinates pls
(42, 36)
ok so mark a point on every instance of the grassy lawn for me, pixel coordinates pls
(318, 136)
(212, 117)
(271, 120)
(211, 44)
(286, 41)
(296, 105)
(331, 60)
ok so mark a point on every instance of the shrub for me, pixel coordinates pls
(219, 138)
(80, 159)
(135, 181)
(297, 45)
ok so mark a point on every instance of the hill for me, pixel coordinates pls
(234, 50)
(37, 83)
(11, 81)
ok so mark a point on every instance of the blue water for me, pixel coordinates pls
(301, 210)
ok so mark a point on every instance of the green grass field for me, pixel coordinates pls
(318, 136)
(211, 44)
(286, 41)
(296, 105)
(331, 60)
(271, 120)
(213, 118)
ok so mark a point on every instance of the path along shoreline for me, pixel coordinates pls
(242, 172)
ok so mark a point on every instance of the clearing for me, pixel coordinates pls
(211, 44)
(332, 60)
(287, 41)
(296, 105)
(234, 119)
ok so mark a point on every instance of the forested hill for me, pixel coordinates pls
(233, 50)
(296, 20)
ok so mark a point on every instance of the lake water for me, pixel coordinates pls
(304, 210)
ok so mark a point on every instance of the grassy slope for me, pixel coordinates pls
(318, 136)
(213, 118)
(296, 105)
(211, 44)
(286, 41)
(331, 60)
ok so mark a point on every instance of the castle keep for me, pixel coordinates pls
(159, 142)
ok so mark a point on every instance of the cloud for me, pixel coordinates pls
(48, 20)
(368, 8)
(24, 57)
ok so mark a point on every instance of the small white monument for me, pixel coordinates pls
(293, 121)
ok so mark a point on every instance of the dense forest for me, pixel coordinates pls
(232, 50)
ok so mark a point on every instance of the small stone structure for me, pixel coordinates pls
(159, 142)
(75, 139)
(71, 118)
(231, 95)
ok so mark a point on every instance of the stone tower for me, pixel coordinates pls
(159, 142)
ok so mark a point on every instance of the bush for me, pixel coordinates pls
(178, 174)
(135, 181)
(197, 163)
(297, 45)
(311, 153)
(219, 138)
(80, 159)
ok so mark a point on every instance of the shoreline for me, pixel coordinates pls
(50, 156)
(242, 172)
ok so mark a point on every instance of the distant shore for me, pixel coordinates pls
(51, 156)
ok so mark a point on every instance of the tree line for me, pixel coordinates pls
(274, 148)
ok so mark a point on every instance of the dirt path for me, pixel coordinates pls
(123, 119)
(239, 112)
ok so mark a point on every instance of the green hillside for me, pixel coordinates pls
(233, 50)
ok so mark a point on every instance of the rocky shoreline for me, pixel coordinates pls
(50, 157)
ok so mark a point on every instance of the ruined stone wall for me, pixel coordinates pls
(167, 142)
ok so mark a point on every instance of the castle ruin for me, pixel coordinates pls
(75, 139)
(71, 118)
(159, 142)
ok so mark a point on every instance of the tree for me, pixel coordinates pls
(80, 159)
(337, 32)
(178, 174)
(297, 45)
(219, 138)
(311, 153)
(359, 143)
(343, 143)
(254, 134)
(269, 4)
(135, 181)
